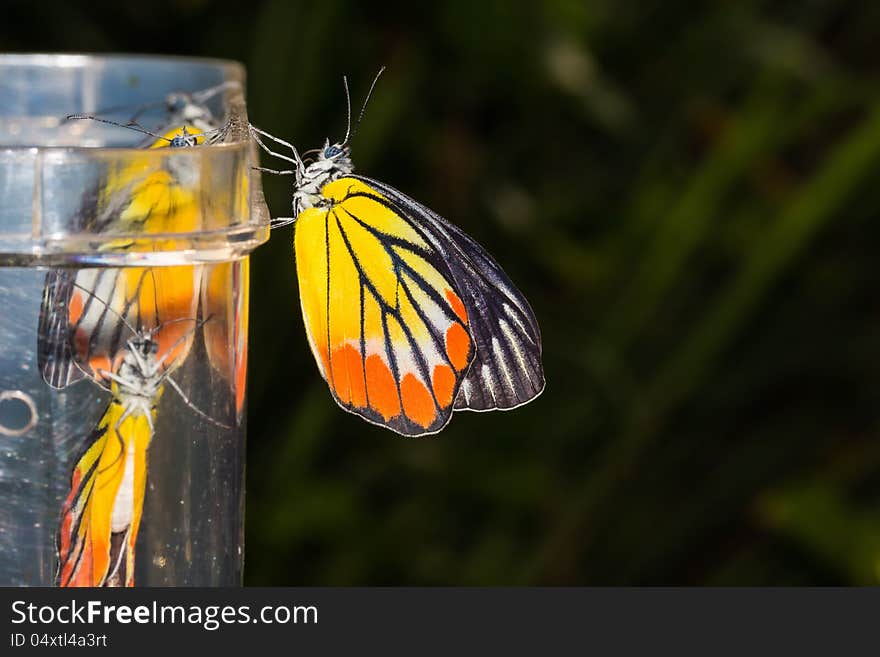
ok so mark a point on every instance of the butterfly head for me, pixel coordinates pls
(182, 107)
(332, 161)
(335, 156)
(139, 374)
(177, 102)
(184, 139)
(332, 152)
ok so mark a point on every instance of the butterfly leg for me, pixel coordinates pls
(278, 222)
(276, 139)
(273, 153)
(114, 377)
(255, 132)
(276, 172)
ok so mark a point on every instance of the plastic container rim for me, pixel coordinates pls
(232, 69)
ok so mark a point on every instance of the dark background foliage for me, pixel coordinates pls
(685, 191)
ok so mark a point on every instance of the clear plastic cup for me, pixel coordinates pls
(108, 248)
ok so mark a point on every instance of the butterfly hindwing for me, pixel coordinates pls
(506, 371)
(386, 325)
(87, 316)
(54, 352)
(80, 331)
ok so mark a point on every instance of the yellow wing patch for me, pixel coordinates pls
(151, 195)
(102, 513)
(385, 324)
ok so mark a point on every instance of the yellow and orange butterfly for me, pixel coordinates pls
(407, 317)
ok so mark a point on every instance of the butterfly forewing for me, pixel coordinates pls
(385, 321)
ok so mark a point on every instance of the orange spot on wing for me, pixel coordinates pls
(83, 575)
(81, 342)
(381, 388)
(97, 556)
(172, 343)
(240, 378)
(458, 345)
(348, 376)
(66, 527)
(66, 532)
(75, 308)
(443, 382)
(417, 402)
(101, 366)
(457, 305)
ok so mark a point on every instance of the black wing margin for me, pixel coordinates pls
(506, 371)
(54, 350)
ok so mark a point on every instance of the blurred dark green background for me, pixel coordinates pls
(687, 193)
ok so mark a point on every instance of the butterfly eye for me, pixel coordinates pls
(175, 103)
(178, 142)
(332, 151)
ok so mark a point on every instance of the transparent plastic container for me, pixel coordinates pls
(123, 323)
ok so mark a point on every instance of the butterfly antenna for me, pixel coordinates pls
(139, 108)
(195, 408)
(348, 109)
(198, 323)
(166, 375)
(364, 106)
(131, 125)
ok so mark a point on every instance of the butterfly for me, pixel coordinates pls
(408, 318)
(151, 195)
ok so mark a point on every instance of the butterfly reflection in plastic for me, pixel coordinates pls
(126, 329)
